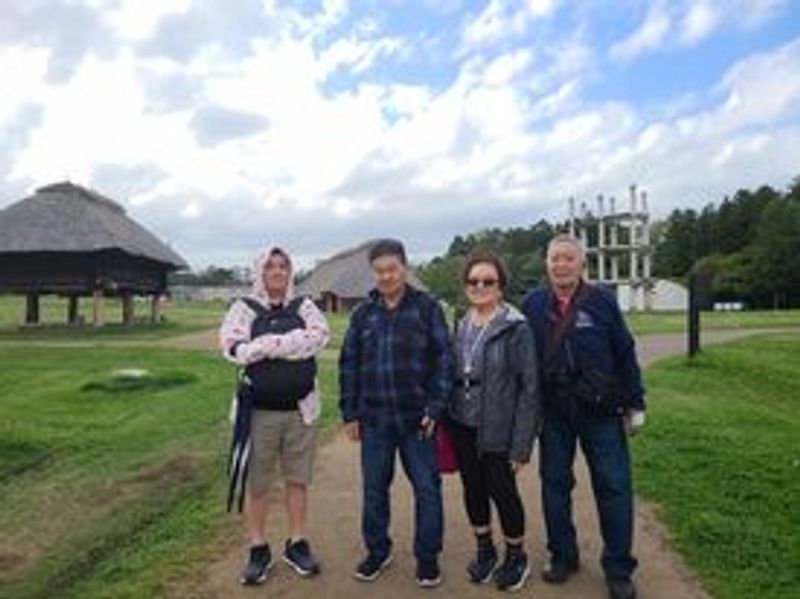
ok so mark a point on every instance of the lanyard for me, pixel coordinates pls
(468, 351)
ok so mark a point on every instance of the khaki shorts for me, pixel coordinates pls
(280, 436)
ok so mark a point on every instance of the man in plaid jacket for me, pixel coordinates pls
(395, 377)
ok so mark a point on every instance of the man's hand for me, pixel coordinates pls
(427, 426)
(352, 430)
(516, 466)
(632, 421)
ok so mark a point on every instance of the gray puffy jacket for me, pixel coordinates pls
(510, 402)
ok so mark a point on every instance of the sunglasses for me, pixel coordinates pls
(481, 283)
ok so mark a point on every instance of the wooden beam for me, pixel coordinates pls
(98, 309)
(155, 309)
(32, 309)
(127, 309)
(72, 310)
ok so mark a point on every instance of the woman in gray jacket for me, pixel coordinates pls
(494, 417)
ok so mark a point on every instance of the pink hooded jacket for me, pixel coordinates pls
(239, 348)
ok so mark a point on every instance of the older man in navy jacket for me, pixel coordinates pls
(592, 391)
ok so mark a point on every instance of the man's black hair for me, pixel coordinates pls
(387, 247)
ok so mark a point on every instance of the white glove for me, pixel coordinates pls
(633, 421)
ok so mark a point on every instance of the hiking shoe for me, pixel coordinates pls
(298, 556)
(371, 567)
(513, 572)
(559, 572)
(482, 567)
(258, 565)
(621, 588)
(428, 573)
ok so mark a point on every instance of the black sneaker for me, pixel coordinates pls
(258, 565)
(371, 567)
(621, 588)
(298, 556)
(482, 567)
(559, 572)
(513, 573)
(428, 573)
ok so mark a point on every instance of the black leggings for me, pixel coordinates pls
(487, 477)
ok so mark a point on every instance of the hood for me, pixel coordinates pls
(509, 316)
(259, 290)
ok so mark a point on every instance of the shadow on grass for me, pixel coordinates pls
(17, 457)
(119, 383)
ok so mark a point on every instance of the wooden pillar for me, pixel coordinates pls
(98, 309)
(155, 309)
(127, 308)
(32, 309)
(72, 310)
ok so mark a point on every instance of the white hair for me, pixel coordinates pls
(571, 240)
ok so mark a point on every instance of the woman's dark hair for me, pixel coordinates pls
(482, 255)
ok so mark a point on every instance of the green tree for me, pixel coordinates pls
(777, 253)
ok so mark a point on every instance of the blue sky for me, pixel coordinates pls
(226, 124)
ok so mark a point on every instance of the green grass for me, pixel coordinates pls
(675, 322)
(720, 457)
(112, 485)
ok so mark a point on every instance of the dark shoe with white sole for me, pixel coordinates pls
(371, 567)
(258, 565)
(299, 557)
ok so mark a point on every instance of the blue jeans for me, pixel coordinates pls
(605, 447)
(418, 456)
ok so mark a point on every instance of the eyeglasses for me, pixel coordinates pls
(482, 283)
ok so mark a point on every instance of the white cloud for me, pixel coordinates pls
(505, 68)
(699, 22)
(650, 35)
(690, 22)
(267, 139)
(356, 55)
(136, 20)
(753, 13)
(502, 20)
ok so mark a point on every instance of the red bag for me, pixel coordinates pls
(445, 451)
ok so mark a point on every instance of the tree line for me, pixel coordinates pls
(748, 245)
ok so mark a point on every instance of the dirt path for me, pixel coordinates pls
(334, 529)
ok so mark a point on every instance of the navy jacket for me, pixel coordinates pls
(395, 366)
(599, 340)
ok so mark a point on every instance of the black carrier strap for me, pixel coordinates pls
(278, 384)
(567, 322)
(261, 310)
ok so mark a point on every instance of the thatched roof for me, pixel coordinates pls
(346, 274)
(69, 218)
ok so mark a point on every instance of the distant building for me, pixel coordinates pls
(343, 280)
(70, 241)
(619, 253)
(208, 293)
(666, 296)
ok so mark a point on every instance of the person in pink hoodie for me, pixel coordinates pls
(274, 337)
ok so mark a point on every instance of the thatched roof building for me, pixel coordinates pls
(74, 242)
(343, 280)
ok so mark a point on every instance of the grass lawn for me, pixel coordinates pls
(675, 322)
(179, 318)
(187, 317)
(109, 486)
(720, 457)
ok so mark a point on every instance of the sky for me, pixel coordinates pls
(226, 125)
